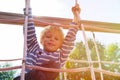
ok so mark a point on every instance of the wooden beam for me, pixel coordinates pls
(41, 21)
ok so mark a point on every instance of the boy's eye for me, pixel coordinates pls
(48, 36)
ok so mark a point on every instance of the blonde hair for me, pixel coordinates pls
(53, 29)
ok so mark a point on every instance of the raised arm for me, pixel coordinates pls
(68, 43)
(32, 43)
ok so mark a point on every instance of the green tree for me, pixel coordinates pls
(79, 53)
(6, 75)
(107, 53)
(112, 53)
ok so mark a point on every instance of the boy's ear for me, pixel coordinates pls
(41, 40)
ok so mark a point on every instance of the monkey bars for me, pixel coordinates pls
(41, 21)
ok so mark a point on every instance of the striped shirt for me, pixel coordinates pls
(37, 56)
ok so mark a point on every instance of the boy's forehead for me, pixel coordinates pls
(53, 31)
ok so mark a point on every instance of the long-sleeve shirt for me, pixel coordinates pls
(37, 56)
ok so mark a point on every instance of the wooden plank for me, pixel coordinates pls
(41, 21)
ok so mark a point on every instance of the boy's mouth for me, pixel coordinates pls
(51, 44)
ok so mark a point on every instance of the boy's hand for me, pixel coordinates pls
(76, 11)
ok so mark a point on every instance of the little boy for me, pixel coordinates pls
(55, 49)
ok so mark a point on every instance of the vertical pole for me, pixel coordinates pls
(88, 53)
(60, 74)
(76, 2)
(97, 52)
(27, 3)
(65, 73)
(87, 47)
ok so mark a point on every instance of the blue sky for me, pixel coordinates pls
(11, 42)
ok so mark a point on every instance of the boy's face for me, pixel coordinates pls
(52, 41)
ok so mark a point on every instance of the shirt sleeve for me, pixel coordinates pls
(68, 43)
(32, 43)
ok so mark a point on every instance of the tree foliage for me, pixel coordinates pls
(110, 53)
(6, 75)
